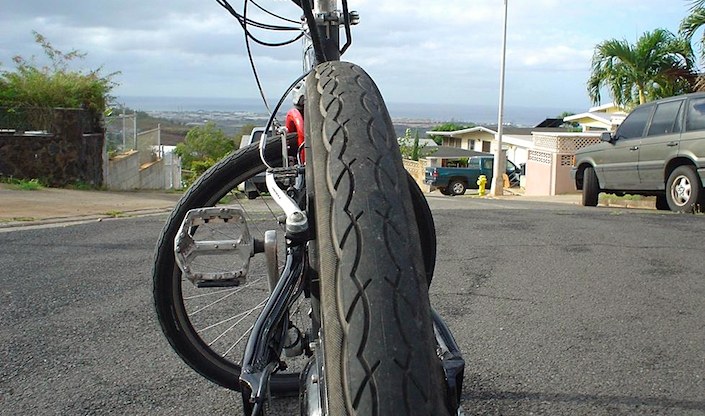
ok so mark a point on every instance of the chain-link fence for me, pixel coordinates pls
(121, 132)
(148, 144)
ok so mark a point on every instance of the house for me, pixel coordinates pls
(516, 141)
(602, 118)
(446, 156)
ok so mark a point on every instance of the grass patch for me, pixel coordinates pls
(114, 214)
(17, 219)
(82, 186)
(23, 184)
(628, 197)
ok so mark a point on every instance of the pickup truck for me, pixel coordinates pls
(455, 181)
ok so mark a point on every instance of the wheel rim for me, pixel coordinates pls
(458, 188)
(681, 190)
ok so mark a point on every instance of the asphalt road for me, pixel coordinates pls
(558, 309)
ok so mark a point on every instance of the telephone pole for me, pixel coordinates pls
(498, 169)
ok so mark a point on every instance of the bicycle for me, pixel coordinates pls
(337, 310)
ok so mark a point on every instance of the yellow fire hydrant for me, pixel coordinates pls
(482, 182)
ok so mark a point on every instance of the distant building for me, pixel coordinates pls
(516, 141)
(602, 118)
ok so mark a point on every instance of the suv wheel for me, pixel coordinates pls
(591, 187)
(683, 189)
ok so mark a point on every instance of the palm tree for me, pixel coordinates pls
(658, 65)
(694, 21)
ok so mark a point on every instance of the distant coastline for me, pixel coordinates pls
(461, 113)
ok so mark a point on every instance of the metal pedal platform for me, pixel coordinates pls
(224, 262)
(284, 173)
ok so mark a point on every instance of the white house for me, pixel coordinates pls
(601, 118)
(516, 141)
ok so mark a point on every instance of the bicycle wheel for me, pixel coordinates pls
(208, 327)
(377, 335)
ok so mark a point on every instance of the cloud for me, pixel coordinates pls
(417, 50)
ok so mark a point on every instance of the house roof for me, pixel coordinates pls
(551, 122)
(594, 115)
(448, 152)
(509, 130)
(605, 108)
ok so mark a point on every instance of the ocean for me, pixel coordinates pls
(434, 112)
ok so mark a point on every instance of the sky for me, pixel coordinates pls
(417, 51)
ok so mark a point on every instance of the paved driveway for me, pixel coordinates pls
(559, 310)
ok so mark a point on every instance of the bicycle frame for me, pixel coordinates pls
(265, 344)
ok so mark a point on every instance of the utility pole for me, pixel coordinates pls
(497, 188)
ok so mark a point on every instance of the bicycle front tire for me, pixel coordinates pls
(377, 335)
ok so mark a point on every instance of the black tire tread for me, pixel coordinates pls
(591, 188)
(378, 337)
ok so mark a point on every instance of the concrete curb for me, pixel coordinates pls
(79, 219)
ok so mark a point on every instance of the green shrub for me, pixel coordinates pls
(202, 148)
(31, 85)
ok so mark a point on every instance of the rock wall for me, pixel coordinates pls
(72, 152)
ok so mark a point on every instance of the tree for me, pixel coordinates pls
(690, 24)
(55, 85)
(202, 148)
(410, 147)
(450, 126)
(658, 65)
(570, 124)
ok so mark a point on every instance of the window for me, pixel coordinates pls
(696, 115)
(633, 126)
(487, 164)
(453, 142)
(666, 119)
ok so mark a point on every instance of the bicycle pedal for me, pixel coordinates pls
(284, 173)
(224, 262)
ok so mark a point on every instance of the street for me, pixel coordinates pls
(558, 309)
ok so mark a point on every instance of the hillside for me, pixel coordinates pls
(172, 131)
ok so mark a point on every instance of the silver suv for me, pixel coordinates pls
(659, 150)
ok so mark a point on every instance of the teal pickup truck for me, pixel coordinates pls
(455, 181)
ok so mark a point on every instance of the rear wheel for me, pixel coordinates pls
(457, 187)
(377, 335)
(591, 188)
(208, 327)
(683, 190)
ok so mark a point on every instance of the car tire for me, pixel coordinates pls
(445, 191)
(662, 203)
(591, 188)
(457, 187)
(683, 190)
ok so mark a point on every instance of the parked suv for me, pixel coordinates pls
(659, 150)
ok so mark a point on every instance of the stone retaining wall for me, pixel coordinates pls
(64, 156)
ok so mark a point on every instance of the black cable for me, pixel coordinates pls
(252, 60)
(244, 22)
(273, 115)
(226, 5)
(273, 14)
